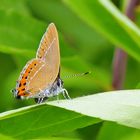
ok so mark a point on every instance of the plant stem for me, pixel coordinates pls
(120, 56)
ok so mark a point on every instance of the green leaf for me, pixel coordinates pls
(15, 5)
(118, 132)
(41, 121)
(111, 23)
(18, 34)
(78, 34)
(56, 117)
(3, 137)
(22, 36)
(122, 107)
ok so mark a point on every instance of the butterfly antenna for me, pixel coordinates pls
(77, 75)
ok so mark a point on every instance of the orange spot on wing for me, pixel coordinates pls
(23, 93)
(22, 83)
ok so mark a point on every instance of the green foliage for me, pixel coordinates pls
(67, 115)
(89, 31)
(119, 132)
(44, 124)
(126, 35)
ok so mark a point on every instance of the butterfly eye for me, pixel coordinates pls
(13, 90)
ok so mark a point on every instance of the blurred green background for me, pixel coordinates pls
(89, 32)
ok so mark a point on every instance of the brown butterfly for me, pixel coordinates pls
(40, 78)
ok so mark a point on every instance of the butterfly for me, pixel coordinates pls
(40, 78)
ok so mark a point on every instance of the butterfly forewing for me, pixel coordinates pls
(49, 50)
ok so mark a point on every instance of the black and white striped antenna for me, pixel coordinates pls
(76, 75)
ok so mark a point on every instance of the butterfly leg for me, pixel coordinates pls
(65, 94)
(41, 96)
(39, 99)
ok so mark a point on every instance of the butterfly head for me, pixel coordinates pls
(19, 95)
(14, 91)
